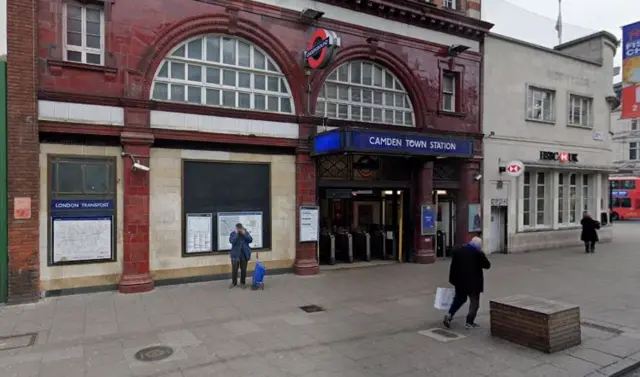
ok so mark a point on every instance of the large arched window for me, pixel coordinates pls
(223, 71)
(365, 92)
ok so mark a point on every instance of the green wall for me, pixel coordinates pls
(4, 256)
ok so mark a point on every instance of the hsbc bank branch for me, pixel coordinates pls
(547, 146)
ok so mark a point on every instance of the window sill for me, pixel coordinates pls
(579, 126)
(534, 230)
(63, 64)
(216, 253)
(534, 120)
(456, 114)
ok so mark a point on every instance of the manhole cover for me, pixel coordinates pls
(155, 353)
(445, 333)
(312, 308)
(17, 341)
(441, 335)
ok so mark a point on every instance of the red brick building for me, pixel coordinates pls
(141, 131)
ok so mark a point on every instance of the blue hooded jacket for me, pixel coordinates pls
(240, 244)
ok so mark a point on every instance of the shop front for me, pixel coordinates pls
(536, 195)
(381, 194)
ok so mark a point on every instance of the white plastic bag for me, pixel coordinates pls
(444, 298)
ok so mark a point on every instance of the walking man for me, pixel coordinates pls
(240, 255)
(589, 234)
(467, 276)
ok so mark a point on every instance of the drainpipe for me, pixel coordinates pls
(4, 252)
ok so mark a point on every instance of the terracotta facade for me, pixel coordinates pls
(139, 34)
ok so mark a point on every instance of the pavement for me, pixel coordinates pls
(371, 324)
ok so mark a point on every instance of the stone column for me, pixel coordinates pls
(423, 245)
(135, 264)
(469, 193)
(306, 262)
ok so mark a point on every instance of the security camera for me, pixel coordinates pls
(139, 166)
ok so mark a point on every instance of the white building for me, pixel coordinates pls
(626, 143)
(549, 109)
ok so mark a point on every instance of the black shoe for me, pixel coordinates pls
(447, 320)
(232, 286)
(471, 325)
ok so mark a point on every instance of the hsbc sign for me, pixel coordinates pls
(563, 157)
(514, 168)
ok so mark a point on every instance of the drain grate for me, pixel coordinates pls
(611, 330)
(17, 341)
(155, 353)
(441, 335)
(312, 308)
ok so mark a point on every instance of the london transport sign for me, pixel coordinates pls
(321, 48)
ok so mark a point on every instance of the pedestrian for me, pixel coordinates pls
(467, 276)
(589, 234)
(240, 255)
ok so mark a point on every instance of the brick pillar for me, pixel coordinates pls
(423, 245)
(306, 262)
(469, 193)
(135, 264)
(23, 145)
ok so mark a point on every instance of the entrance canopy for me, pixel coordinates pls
(389, 143)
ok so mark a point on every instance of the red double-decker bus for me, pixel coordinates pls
(624, 200)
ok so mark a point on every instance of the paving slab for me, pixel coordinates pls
(369, 327)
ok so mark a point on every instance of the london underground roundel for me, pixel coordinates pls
(321, 48)
(515, 168)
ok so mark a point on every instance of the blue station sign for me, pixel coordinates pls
(81, 205)
(394, 143)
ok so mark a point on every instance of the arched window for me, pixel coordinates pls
(222, 71)
(365, 92)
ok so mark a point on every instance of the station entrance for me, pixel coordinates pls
(364, 225)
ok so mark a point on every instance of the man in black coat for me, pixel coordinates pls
(467, 276)
(589, 234)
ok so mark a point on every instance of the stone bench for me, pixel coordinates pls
(547, 326)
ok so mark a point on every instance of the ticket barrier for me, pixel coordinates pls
(378, 245)
(328, 248)
(362, 245)
(391, 245)
(344, 247)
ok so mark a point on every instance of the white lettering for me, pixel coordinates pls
(443, 145)
(95, 205)
(386, 141)
(67, 205)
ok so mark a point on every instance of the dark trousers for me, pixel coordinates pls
(242, 265)
(459, 300)
(589, 246)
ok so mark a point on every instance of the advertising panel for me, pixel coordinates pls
(631, 71)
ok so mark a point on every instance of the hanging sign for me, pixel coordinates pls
(514, 168)
(321, 48)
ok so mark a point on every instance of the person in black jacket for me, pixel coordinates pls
(467, 276)
(589, 235)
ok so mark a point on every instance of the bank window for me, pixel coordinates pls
(561, 198)
(585, 193)
(580, 111)
(449, 82)
(634, 124)
(540, 103)
(363, 91)
(83, 34)
(573, 198)
(634, 151)
(535, 199)
(222, 71)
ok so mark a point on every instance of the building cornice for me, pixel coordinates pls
(419, 13)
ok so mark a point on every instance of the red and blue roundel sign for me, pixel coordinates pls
(321, 48)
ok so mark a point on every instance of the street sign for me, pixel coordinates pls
(515, 168)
